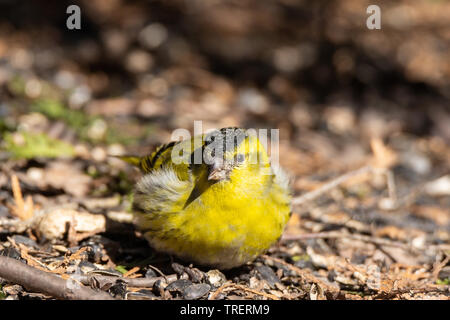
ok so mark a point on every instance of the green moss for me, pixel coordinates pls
(17, 86)
(2, 294)
(443, 281)
(82, 122)
(29, 145)
(115, 136)
(303, 257)
(55, 110)
(121, 269)
(130, 198)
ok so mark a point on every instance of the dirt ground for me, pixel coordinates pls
(364, 117)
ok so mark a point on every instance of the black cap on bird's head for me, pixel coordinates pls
(219, 152)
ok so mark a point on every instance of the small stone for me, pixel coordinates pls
(253, 101)
(215, 278)
(387, 204)
(35, 174)
(196, 291)
(419, 242)
(153, 35)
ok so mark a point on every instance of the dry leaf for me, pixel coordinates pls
(53, 223)
(383, 156)
(21, 209)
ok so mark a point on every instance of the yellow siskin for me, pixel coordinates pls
(214, 199)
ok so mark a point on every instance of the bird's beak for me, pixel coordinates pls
(218, 171)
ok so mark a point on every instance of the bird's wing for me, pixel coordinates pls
(163, 155)
(152, 161)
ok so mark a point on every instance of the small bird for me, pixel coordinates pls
(214, 199)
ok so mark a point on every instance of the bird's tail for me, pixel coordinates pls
(134, 160)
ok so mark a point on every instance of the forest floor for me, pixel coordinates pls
(378, 228)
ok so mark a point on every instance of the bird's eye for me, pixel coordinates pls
(240, 158)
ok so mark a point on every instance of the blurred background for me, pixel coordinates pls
(139, 69)
(342, 96)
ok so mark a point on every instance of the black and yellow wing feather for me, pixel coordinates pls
(150, 162)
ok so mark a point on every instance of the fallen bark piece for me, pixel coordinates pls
(52, 224)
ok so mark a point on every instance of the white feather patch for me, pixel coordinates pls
(160, 189)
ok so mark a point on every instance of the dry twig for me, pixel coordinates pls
(37, 280)
(130, 272)
(243, 288)
(312, 195)
(383, 159)
(304, 273)
(220, 290)
(438, 267)
(132, 282)
(21, 209)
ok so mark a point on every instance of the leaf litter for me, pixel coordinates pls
(371, 216)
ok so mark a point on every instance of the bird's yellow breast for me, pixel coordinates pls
(229, 224)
